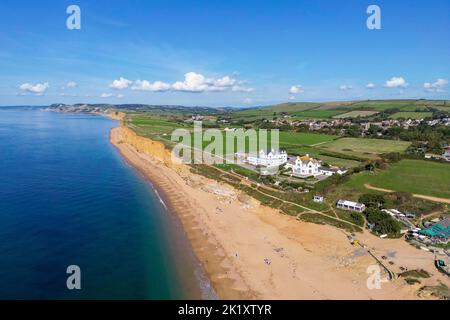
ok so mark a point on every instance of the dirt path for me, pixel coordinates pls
(421, 196)
(249, 184)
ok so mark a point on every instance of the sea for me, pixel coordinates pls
(78, 222)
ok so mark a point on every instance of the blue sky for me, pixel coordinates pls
(222, 53)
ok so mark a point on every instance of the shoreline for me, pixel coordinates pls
(203, 289)
(249, 251)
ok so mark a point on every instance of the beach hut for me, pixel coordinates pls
(318, 199)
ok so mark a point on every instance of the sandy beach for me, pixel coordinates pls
(254, 252)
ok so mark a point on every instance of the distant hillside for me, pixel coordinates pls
(339, 109)
(86, 108)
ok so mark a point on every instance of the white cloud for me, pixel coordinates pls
(38, 88)
(396, 82)
(370, 85)
(226, 81)
(157, 86)
(195, 82)
(111, 95)
(248, 100)
(71, 84)
(120, 84)
(296, 89)
(241, 89)
(437, 86)
(345, 87)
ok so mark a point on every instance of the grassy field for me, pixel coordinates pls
(156, 128)
(293, 107)
(355, 114)
(365, 148)
(413, 176)
(161, 129)
(304, 138)
(411, 115)
(316, 114)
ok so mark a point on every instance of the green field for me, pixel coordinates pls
(295, 143)
(411, 115)
(161, 129)
(413, 176)
(356, 114)
(365, 148)
(290, 139)
(292, 107)
(316, 114)
(157, 128)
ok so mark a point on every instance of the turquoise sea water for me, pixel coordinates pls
(68, 198)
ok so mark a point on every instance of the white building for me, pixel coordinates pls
(318, 199)
(305, 167)
(268, 158)
(446, 154)
(350, 205)
(329, 171)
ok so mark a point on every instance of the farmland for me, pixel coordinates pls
(161, 129)
(304, 138)
(356, 114)
(411, 115)
(316, 114)
(343, 109)
(365, 148)
(413, 176)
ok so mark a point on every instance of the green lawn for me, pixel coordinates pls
(413, 176)
(411, 115)
(366, 148)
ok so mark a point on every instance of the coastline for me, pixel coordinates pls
(254, 252)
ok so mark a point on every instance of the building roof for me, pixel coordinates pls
(306, 158)
(440, 229)
(350, 203)
(273, 151)
(329, 169)
(445, 222)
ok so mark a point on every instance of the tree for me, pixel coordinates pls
(372, 200)
(384, 224)
(357, 218)
(387, 226)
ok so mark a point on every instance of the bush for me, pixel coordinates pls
(384, 224)
(372, 200)
(357, 218)
(392, 157)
